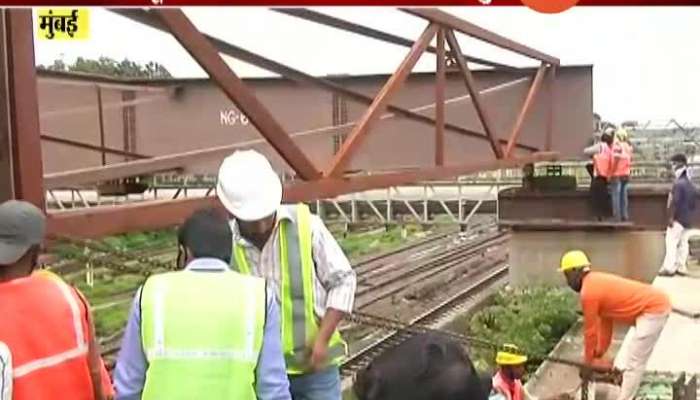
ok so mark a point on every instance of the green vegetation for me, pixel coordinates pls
(111, 67)
(127, 242)
(533, 319)
(115, 288)
(358, 245)
(656, 387)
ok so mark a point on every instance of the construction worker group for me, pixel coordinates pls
(252, 312)
(610, 173)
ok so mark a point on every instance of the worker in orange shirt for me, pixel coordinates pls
(609, 299)
(48, 348)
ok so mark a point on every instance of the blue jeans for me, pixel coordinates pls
(615, 189)
(323, 385)
(624, 202)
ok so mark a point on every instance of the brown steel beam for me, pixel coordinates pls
(101, 121)
(534, 88)
(324, 19)
(6, 174)
(101, 221)
(88, 146)
(450, 21)
(207, 56)
(380, 102)
(134, 168)
(440, 100)
(145, 18)
(474, 93)
(550, 107)
(24, 107)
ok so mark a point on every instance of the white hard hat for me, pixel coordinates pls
(248, 186)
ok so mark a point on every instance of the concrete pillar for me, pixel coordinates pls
(534, 256)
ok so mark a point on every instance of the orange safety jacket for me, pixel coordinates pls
(45, 326)
(623, 152)
(602, 162)
(511, 390)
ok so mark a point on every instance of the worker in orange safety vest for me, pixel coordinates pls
(620, 169)
(48, 348)
(507, 382)
(601, 153)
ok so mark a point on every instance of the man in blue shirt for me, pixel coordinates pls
(681, 206)
(205, 246)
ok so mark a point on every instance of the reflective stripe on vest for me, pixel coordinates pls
(299, 322)
(5, 372)
(202, 334)
(46, 330)
(81, 346)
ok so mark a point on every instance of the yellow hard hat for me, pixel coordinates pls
(574, 259)
(621, 134)
(510, 355)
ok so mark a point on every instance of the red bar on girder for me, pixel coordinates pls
(101, 221)
(380, 102)
(23, 107)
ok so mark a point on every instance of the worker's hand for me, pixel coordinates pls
(602, 365)
(319, 354)
(585, 373)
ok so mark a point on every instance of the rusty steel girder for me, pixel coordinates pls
(21, 109)
(312, 184)
(95, 222)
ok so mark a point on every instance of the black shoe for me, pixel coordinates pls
(666, 273)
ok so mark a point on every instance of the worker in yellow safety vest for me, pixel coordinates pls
(301, 260)
(204, 332)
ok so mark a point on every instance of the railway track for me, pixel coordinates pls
(386, 282)
(419, 247)
(496, 274)
(384, 275)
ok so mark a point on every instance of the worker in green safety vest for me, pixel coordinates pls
(297, 255)
(204, 332)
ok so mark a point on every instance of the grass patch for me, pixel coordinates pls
(358, 245)
(110, 320)
(126, 242)
(106, 288)
(534, 319)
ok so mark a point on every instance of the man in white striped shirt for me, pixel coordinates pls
(301, 261)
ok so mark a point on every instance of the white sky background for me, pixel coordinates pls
(646, 59)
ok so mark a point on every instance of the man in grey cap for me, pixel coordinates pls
(22, 228)
(32, 304)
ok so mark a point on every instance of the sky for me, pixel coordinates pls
(646, 62)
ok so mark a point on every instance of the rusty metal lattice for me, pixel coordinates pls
(313, 181)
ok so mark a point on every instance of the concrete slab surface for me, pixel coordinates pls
(678, 348)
